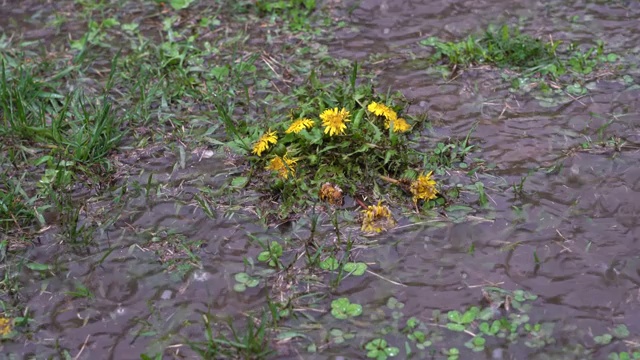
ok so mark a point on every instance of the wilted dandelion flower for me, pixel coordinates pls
(334, 121)
(424, 188)
(331, 193)
(399, 125)
(377, 218)
(382, 110)
(5, 326)
(283, 165)
(264, 142)
(300, 125)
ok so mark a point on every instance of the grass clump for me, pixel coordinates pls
(250, 342)
(503, 48)
(295, 12)
(16, 207)
(53, 144)
(529, 56)
(341, 140)
(73, 128)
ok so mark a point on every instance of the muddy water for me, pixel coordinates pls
(580, 221)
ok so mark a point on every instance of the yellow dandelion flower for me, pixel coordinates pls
(5, 326)
(399, 125)
(424, 188)
(283, 165)
(382, 110)
(334, 121)
(300, 125)
(267, 139)
(377, 218)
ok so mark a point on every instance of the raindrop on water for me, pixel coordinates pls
(200, 276)
(166, 295)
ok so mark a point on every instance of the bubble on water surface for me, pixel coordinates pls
(200, 276)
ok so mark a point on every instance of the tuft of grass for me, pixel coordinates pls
(508, 48)
(250, 342)
(17, 209)
(75, 129)
(295, 12)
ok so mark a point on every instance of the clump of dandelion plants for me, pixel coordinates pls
(340, 136)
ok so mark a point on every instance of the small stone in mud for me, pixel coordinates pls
(166, 295)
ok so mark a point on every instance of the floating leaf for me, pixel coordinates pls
(38, 267)
(621, 331)
(454, 316)
(242, 277)
(455, 327)
(239, 182)
(180, 4)
(392, 351)
(354, 309)
(357, 269)
(329, 263)
(252, 282)
(603, 339)
(470, 315)
(342, 308)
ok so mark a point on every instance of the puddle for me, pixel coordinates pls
(571, 238)
(581, 222)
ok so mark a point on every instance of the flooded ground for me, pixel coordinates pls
(159, 262)
(581, 221)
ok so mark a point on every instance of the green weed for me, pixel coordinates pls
(342, 309)
(533, 58)
(251, 342)
(17, 209)
(503, 316)
(244, 281)
(339, 140)
(379, 349)
(271, 255)
(295, 12)
(80, 291)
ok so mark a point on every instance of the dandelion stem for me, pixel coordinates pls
(388, 179)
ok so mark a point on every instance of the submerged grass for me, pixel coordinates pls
(535, 60)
